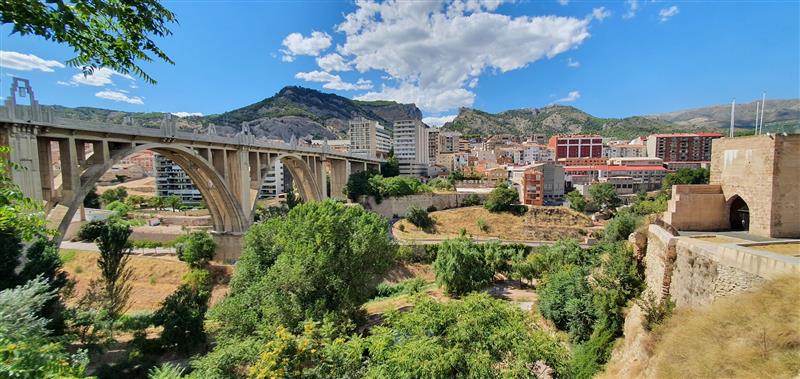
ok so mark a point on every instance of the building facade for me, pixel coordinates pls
(539, 184)
(681, 147)
(368, 138)
(411, 147)
(576, 146)
(171, 180)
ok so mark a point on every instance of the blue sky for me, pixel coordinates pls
(611, 59)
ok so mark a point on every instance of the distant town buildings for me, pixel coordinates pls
(171, 180)
(411, 144)
(576, 146)
(681, 147)
(618, 149)
(369, 138)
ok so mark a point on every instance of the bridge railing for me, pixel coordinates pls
(166, 129)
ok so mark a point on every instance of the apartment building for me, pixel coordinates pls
(411, 147)
(576, 146)
(534, 152)
(681, 147)
(433, 144)
(172, 180)
(539, 184)
(624, 150)
(449, 142)
(648, 177)
(368, 138)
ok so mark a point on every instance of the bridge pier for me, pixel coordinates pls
(22, 139)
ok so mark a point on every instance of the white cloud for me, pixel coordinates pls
(186, 114)
(98, 78)
(667, 13)
(563, 2)
(572, 96)
(601, 13)
(119, 96)
(633, 7)
(333, 82)
(68, 84)
(434, 52)
(573, 63)
(312, 45)
(438, 121)
(333, 62)
(26, 62)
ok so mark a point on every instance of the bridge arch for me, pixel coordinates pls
(226, 212)
(303, 175)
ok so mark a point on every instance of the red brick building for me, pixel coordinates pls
(681, 147)
(577, 146)
(533, 187)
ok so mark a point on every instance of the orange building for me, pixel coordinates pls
(533, 187)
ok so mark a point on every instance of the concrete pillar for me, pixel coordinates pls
(238, 177)
(219, 161)
(323, 178)
(25, 152)
(46, 170)
(70, 171)
(339, 176)
(229, 247)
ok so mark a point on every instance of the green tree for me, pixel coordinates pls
(92, 199)
(112, 289)
(103, 33)
(471, 200)
(196, 249)
(420, 218)
(174, 201)
(114, 194)
(604, 195)
(327, 258)
(119, 208)
(181, 315)
(685, 176)
(460, 267)
(566, 299)
(502, 199)
(576, 201)
(26, 348)
(391, 167)
(621, 226)
(358, 184)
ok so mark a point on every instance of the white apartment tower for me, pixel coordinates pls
(411, 147)
(368, 138)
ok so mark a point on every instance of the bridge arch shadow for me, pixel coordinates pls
(226, 213)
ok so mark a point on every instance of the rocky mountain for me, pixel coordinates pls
(553, 119)
(780, 116)
(778, 113)
(293, 111)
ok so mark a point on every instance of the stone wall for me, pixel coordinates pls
(397, 206)
(695, 272)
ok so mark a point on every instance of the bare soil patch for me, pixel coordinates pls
(154, 278)
(538, 224)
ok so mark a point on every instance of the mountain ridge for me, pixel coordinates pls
(307, 113)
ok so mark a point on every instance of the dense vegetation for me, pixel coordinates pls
(371, 183)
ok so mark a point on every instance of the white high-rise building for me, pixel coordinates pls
(411, 144)
(368, 138)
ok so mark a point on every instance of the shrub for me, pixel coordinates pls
(91, 230)
(604, 195)
(114, 194)
(460, 267)
(498, 257)
(655, 312)
(441, 184)
(196, 249)
(502, 199)
(166, 371)
(182, 314)
(589, 357)
(416, 253)
(482, 225)
(471, 200)
(576, 201)
(420, 218)
(407, 286)
(566, 299)
(431, 208)
(119, 208)
(620, 227)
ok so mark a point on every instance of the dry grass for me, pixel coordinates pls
(538, 224)
(752, 335)
(142, 187)
(154, 278)
(790, 248)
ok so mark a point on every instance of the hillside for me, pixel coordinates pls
(781, 115)
(778, 113)
(293, 111)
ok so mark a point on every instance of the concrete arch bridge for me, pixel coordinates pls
(228, 171)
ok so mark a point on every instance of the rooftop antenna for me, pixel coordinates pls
(763, 105)
(733, 108)
(756, 128)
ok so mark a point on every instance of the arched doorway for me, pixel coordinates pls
(739, 214)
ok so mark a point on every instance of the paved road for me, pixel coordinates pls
(87, 246)
(740, 235)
